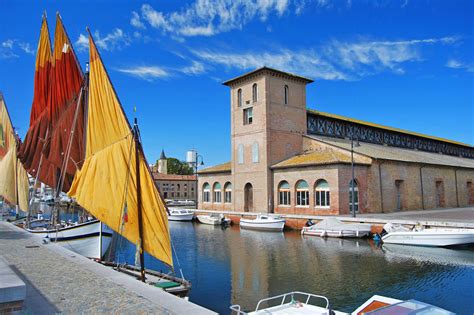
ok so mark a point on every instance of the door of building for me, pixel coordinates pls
(248, 197)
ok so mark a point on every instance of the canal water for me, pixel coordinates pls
(233, 266)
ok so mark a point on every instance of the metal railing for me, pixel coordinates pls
(307, 296)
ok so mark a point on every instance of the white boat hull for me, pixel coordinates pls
(207, 219)
(180, 215)
(273, 225)
(335, 233)
(83, 239)
(431, 237)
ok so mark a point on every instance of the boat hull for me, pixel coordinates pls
(83, 239)
(181, 217)
(206, 219)
(276, 225)
(334, 233)
(431, 237)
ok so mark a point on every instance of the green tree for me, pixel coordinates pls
(176, 166)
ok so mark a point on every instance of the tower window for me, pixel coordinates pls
(240, 154)
(254, 92)
(239, 98)
(286, 94)
(255, 152)
(248, 116)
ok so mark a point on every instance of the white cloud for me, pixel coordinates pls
(334, 61)
(136, 21)
(115, 40)
(194, 69)
(456, 64)
(148, 73)
(210, 17)
(9, 48)
(26, 48)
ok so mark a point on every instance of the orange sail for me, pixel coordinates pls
(14, 185)
(106, 185)
(57, 107)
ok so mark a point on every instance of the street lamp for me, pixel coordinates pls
(353, 179)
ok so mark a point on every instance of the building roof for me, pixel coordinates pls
(383, 152)
(365, 123)
(162, 155)
(160, 176)
(312, 158)
(220, 168)
(269, 69)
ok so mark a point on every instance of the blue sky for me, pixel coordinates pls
(407, 64)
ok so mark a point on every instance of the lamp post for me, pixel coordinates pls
(192, 158)
(353, 179)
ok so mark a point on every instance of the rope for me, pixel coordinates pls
(177, 259)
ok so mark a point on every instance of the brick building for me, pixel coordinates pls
(286, 158)
(172, 186)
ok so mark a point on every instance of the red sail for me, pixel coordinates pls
(46, 143)
(31, 150)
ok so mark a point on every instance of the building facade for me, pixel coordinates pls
(172, 186)
(288, 159)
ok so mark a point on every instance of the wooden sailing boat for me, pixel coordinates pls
(115, 184)
(53, 149)
(14, 183)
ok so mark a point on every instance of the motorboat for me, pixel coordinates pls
(288, 303)
(90, 239)
(421, 236)
(304, 303)
(263, 222)
(180, 215)
(333, 227)
(213, 219)
(382, 305)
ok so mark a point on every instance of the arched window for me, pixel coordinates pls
(284, 193)
(228, 193)
(302, 193)
(206, 192)
(254, 92)
(240, 154)
(239, 97)
(286, 94)
(356, 196)
(255, 152)
(321, 194)
(217, 193)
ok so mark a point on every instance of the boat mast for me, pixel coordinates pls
(136, 137)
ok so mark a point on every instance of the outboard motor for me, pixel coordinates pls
(309, 223)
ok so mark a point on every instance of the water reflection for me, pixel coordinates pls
(228, 266)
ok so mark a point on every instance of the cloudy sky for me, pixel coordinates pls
(407, 64)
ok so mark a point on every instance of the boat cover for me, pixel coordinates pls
(334, 224)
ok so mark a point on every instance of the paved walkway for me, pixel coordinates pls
(60, 281)
(461, 215)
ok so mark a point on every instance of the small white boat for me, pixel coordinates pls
(213, 219)
(288, 304)
(82, 238)
(180, 215)
(420, 236)
(299, 303)
(333, 227)
(263, 222)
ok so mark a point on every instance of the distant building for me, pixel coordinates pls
(172, 186)
(286, 158)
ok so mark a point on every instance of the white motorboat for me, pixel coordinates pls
(333, 227)
(263, 222)
(213, 219)
(420, 236)
(288, 303)
(180, 215)
(86, 239)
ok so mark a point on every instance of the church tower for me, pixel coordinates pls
(162, 163)
(268, 120)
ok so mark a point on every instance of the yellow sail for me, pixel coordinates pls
(106, 184)
(13, 178)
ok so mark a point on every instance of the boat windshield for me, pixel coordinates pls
(410, 307)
